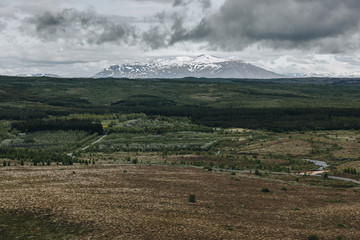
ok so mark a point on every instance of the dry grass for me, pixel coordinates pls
(294, 147)
(350, 150)
(151, 202)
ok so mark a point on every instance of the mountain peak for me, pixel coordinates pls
(204, 58)
(203, 66)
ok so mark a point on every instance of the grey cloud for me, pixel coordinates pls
(320, 24)
(71, 24)
(206, 4)
(170, 27)
(7, 12)
(154, 38)
(2, 26)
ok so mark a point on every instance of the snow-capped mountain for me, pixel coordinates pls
(203, 66)
(39, 75)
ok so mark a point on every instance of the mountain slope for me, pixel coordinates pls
(203, 66)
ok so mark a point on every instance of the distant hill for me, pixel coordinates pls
(39, 75)
(203, 66)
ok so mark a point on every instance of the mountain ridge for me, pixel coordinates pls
(203, 66)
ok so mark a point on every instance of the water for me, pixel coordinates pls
(322, 165)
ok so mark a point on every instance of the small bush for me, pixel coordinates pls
(265, 190)
(350, 170)
(192, 198)
(229, 227)
(208, 168)
(284, 189)
(134, 161)
(313, 237)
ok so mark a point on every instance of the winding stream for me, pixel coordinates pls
(321, 164)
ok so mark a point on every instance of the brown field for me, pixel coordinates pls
(151, 202)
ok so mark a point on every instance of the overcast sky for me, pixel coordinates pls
(81, 37)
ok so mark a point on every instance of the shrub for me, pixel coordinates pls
(229, 227)
(192, 198)
(4, 164)
(284, 189)
(313, 237)
(265, 190)
(208, 168)
(135, 161)
(350, 170)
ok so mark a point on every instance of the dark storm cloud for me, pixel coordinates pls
(321, 24)
(324, 25)
(71, 24)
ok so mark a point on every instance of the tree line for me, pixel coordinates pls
(35, 125)
(36, 156)
(273, 119)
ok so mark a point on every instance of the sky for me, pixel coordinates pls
(78, 38)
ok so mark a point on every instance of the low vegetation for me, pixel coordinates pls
(132, 159)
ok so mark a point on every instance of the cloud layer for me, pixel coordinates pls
(78, 26)
(63, 35)
(321, 24)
